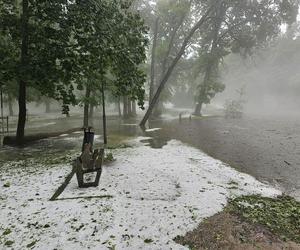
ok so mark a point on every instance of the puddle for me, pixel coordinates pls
(155, 142)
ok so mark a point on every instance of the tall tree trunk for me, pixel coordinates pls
(104, 117)
(22, 83)
(10, 106)
(125, 107)
(2, 113)
(129, 107)
(86, 107)
(133, 109)
(220, 12)
(48, 106)
(119, 107)
(172, 66)
(198, 109)
(91, 112)
(153, 57)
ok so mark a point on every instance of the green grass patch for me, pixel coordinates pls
(281, 215)
(109, 158)
(117, 141)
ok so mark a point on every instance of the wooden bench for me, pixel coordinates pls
(92, 163)
(95, 167)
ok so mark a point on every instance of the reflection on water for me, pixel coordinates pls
(117, 130)
(131, 128)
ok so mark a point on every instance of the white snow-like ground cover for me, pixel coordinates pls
(157, 194)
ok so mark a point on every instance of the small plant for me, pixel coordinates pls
(109, 158)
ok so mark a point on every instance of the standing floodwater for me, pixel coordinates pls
(266, 147)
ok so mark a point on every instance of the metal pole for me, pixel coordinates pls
(104, 116)
(2, 115)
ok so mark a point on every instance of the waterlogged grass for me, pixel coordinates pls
(61, 158)
(48, 157)
(116, 141)
(281, 215)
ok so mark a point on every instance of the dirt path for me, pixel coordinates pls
(265, 147)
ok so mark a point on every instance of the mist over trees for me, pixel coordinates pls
(204, 33)
(272, 70)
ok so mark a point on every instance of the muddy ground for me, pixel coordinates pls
(265, 147)
(226, 231)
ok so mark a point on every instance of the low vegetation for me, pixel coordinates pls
(249, 222)
(281, 216)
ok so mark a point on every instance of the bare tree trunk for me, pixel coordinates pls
(10, 106)
(198, 109)
(153, 57)
(125, 107)
(22, 84)
(134, 108)
(86, 107)
(104, 116)
(91, 115)
(129, 107)
(172, 66)
(2, 113)
(119, 107)
(48, 107)
(91, 112)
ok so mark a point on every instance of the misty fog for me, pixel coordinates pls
(270, 77)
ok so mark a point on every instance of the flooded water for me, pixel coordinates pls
(266, 147)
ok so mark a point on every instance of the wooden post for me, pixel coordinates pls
(7, 117)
